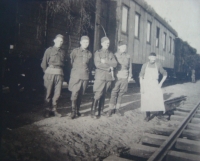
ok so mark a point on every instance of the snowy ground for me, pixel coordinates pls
(63, 139)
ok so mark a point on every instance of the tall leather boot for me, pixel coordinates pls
(47, 110)
(101, 106)
(54, 111)
(73, 110)
(78, 103)
(94, 107)
(111, 110)
(117, 111)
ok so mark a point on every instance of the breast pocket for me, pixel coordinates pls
(85, 59)
(53, 58)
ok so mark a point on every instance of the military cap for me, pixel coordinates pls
(85, 38)
(152, 54)
(104, 39)
(59, 35)
(122, 42)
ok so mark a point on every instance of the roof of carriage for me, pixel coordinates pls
(152, 12)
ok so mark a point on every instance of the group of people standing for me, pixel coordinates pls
(109, 67)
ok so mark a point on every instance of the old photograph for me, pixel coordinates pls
(100, 80)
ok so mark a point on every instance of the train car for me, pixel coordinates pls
(145, 31)
(183, 52)
(131, 20)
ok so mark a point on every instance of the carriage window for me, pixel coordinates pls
(124, 19)
(164, 41)
(170, 44)
(157, 36)
(148, 32)
(137, 25)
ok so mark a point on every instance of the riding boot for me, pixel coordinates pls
(47, 113)
(111, 111)
(77, 111)
(117, 111)
(78, 103)
(94, 107)
(55, 113)
(48, 109)
(147, 118)
(73, 110)
(99, 112)
(101, 106)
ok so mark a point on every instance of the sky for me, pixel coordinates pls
(183, 16)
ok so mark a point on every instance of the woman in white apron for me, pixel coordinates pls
(150, 88)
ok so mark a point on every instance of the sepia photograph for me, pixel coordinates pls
(100, 80)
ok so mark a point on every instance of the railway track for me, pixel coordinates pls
(167, 143)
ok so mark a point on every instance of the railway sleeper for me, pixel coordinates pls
(183, 109)
(115, 158)
(140, 151)
(153, 140)
(192, 126)
(175, 100)
(188, 145)
(177, 118)
(159, 130)
(195, 120)
(181, 156)
(179, 113)
(191, 134)
(197, 115)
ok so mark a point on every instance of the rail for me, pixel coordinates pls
(159, 154)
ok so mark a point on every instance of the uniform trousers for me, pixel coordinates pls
(53, 85)
(100, 88)
(120, 87)
(77, 87)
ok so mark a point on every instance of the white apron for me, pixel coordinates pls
(152, 98)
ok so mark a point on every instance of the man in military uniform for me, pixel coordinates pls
(52, 64)
(104, 61)
(123, 74)
(81, 65)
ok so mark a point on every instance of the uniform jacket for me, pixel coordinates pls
(123, 69)
(103, 71)
(81, 63)
(53, 56)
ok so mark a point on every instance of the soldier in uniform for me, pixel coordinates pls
(81, 65)
(104, 61)
(123, 73)
(52, 64)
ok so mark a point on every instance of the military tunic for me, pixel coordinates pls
(103, 77)
(52, 64)
(81, 65)
(122, 72)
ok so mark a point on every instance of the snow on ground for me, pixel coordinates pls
(63, 139)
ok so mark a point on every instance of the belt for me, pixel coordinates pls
(57, 71)
(54, 66)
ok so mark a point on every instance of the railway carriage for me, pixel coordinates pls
(30, 29)
(183, 51)
(145, 31)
